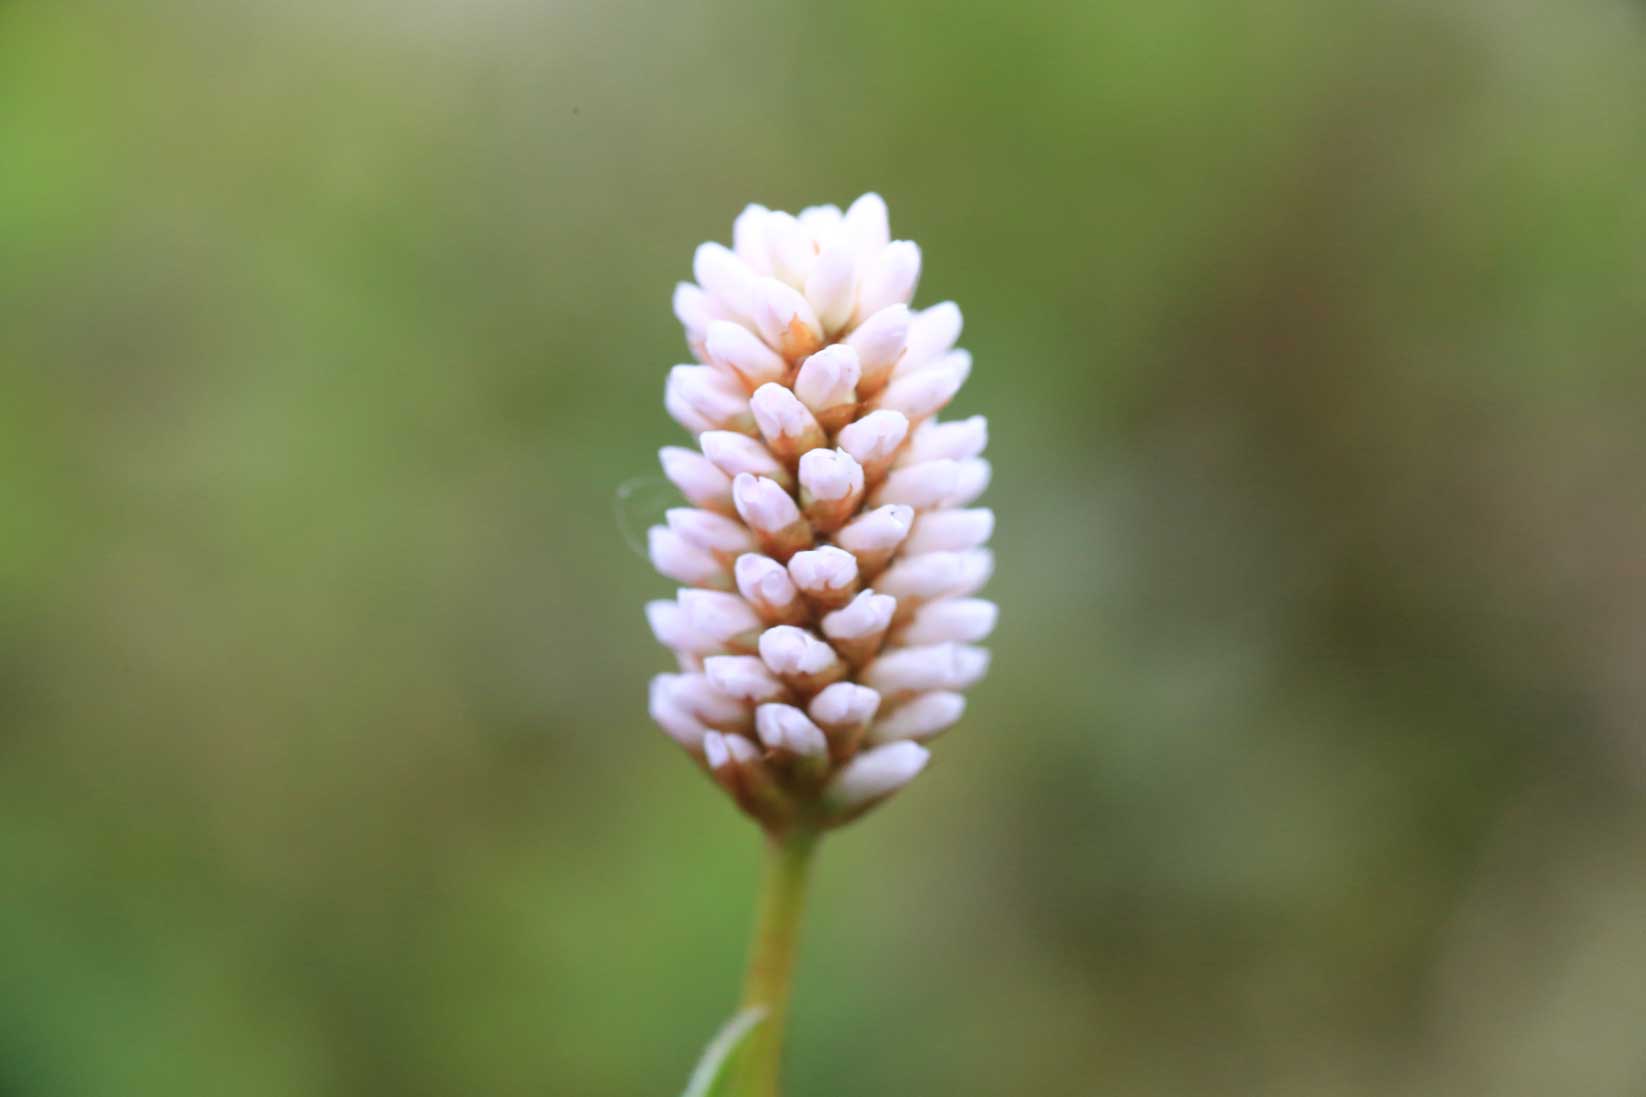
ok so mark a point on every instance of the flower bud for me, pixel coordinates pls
(932, 334)
(831, 487)
(950, 531)
(958, 620)
(921, 718)
(766, 585)
(866, 225)
(710, 531)
(831, 286)
(843, 711)
(786, 320)
(889, 278)
(788, 426)
(799, 658)
(736, 766)
(914, 579)
(674, 629)
(923, 487)
(857, 628)
(725, 279)
(697, 695)
(696, 310)
(735, 454)
(736, 349)
(956, 439)
(873, 440)
(879, 342)
(676, 722)
(772, 514)
(827, 576)
(827, 384)
(872, 776)
(790, 247)
(971, 481)
(704, 398)
(749, 238)
(745, 677)
(683, 561)
(786, 728)
(874, 535)
(727, 620)
(929, 667)
(928, 392)
(699, 481)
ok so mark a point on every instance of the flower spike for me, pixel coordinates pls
(831, 547)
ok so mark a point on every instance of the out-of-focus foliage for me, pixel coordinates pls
(1311, 336)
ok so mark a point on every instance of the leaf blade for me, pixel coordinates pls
(713, 1074)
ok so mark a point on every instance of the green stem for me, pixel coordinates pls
(771, 956)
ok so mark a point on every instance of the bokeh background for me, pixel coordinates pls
(1311, 337)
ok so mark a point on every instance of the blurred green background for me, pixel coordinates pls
(1311, 339)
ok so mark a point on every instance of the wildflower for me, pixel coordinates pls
(831, 550)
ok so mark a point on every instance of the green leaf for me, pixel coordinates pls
(713, 1076)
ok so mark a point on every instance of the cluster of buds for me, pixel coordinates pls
(831, 552)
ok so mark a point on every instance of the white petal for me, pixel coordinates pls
(782, 418)
(749, 238)
(889, 278)
(696, 477)
(790, 246)
(880, 340)
(929, 667)
(789, 650)
(784, 727)
(736, 454)
(831, 286)
(932, 333)
(715, 751)
(972, 481)
(821, 570)
(708, 530)
(821, 221)
(764, 504)
(868, 614)
(674, 630)
(725, 277)
(695, 309)
(921, 718)
(876, 774)
(956, 620)
(742, 676)
(830, 474)
(919, 486)
(936, 575)
(681, 411)
(874, 437)
(698, 696)
(675, 721)
(950, 530)
(877, 530)
(682, 561)
(844, 704)
(957, 439)
(777, 306)
(925, 393)
(764, 581)
(828, 378)
(716, 398)
(718, 614)
(867, 224)
(734, 347)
